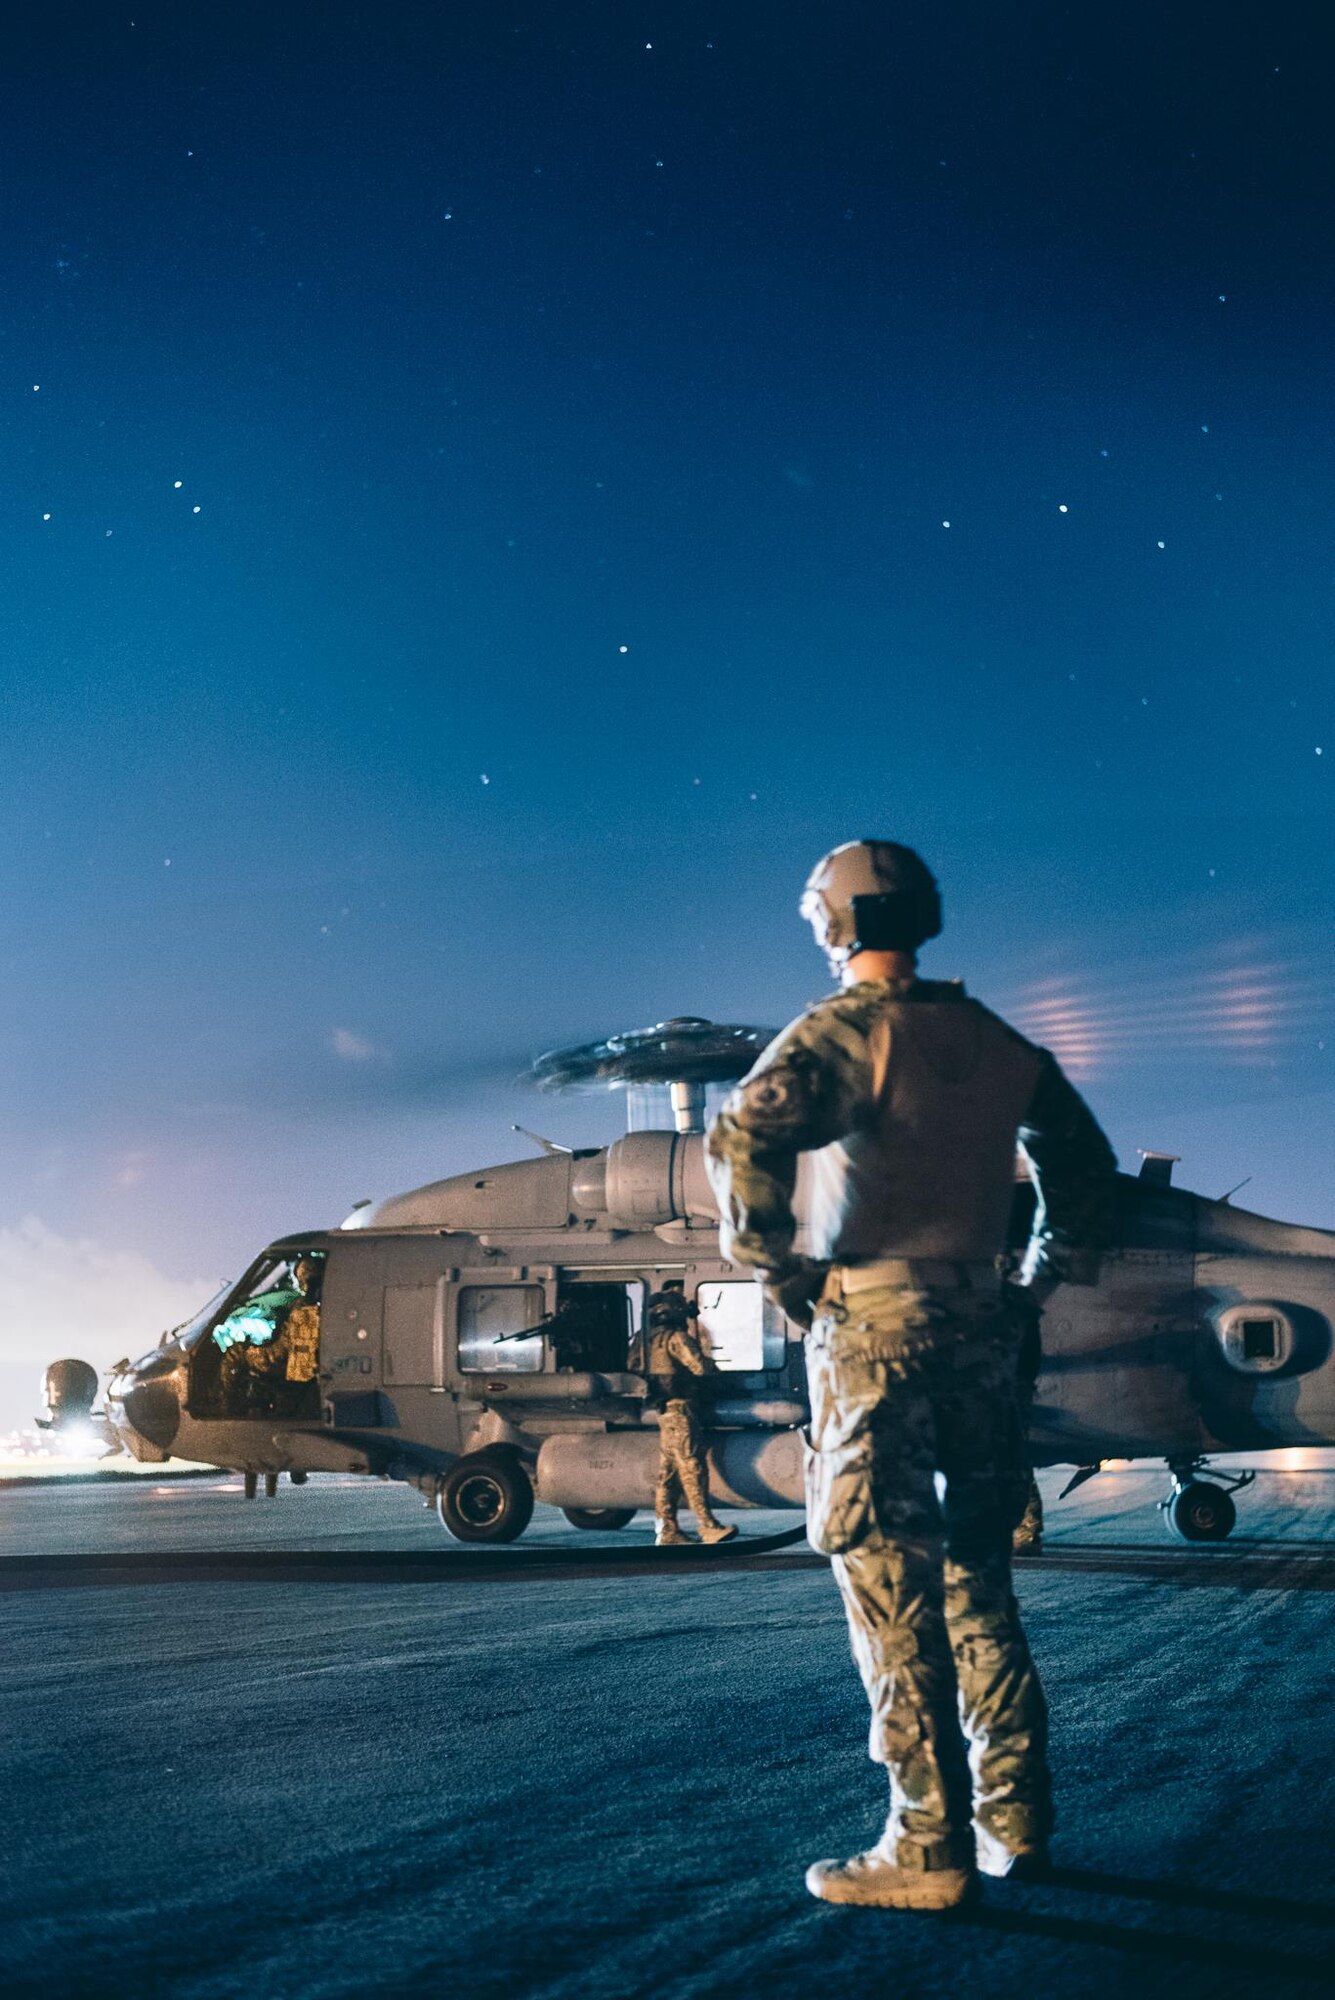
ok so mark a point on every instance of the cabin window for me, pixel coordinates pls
(490, 1316)
(1260, 1339)
(745, 1334)
(1256, 1340)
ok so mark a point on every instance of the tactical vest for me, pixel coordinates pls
(302, 1333)
(670, 1381)
(930, 1171)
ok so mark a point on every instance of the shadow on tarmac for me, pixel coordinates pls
(1281, 1566)
(1232, 1902)
(1265, 1963)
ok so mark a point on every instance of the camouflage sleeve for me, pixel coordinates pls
(1075, 1174)
(807, 1090)
(685, 1351)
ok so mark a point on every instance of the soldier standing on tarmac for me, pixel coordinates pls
(911, 1097)
(677, 1362)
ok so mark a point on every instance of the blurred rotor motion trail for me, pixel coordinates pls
(685, 1053)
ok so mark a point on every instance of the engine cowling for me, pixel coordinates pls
(647, 1179)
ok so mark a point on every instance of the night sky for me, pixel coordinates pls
(491, 493)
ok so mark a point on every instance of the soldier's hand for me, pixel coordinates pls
(795, 1286)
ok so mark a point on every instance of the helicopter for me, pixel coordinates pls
(482, 1338)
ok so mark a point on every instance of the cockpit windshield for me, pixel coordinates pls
(267, 1294)
(189, 1331)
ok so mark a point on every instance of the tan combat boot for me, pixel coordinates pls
(667, 1535)
(715, 1531)
(874, 1880)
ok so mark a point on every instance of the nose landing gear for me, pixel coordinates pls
(1201, 1510)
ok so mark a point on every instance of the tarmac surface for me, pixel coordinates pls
(300, 1748)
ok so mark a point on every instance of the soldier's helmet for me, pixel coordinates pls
(871, 895)
(669, 1310)
(313, 1266)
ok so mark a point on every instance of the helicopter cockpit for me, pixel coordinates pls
(258, 1354)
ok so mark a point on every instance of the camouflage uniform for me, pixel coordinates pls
(911, 1097)
(676, 1364)
(301, 1338)
(1029, 1533)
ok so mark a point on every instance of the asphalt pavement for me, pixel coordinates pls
(313, 1755)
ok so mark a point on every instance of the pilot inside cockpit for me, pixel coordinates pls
(271, 1342)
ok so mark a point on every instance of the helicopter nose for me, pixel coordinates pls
(150, 1404)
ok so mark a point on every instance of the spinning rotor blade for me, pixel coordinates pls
(684, 1050)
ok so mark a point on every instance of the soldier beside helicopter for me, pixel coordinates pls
(910, 1098)
(678, 1365)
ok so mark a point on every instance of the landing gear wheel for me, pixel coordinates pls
(1201, 1512)
(597, 1519)
(486, 1499)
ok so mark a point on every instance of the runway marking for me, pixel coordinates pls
(1252, 1569)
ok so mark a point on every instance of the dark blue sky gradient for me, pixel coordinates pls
(488, 342)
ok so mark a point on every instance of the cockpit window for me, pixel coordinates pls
(188, 1332)
(268, 1292)
(260, 1356)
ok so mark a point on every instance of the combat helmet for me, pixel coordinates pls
(870, 895)
(669, 1310)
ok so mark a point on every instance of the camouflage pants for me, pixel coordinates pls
(905, 1385)
(681, 1466)
(1028, 1320)
(1029, 1533)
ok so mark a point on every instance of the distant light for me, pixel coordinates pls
(109, 533)
(1103, 454)
(623, 649)
(448, 215)
(46, 517)
(1205, 427)
(167, 862)
(1221, 298)
(485, 779)
(658, 163)
(945, 524)
(1062, 507)
(1318, 749)
(35, 387)
(1160, 545)
(648, 45)
(194, 510)
(178, 484)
